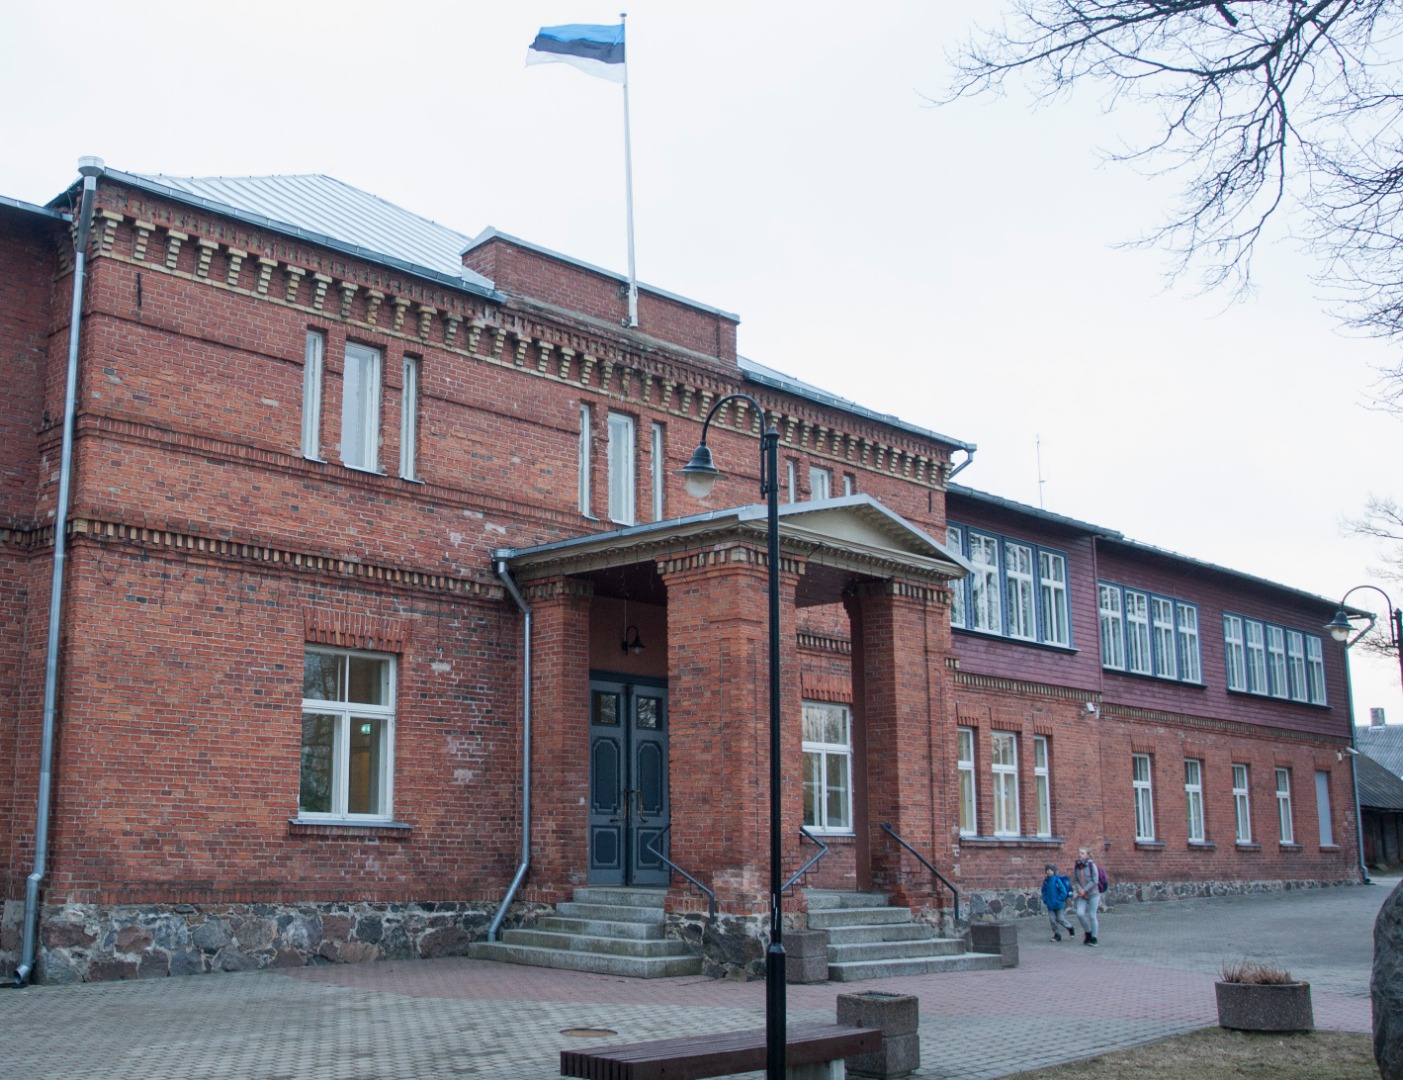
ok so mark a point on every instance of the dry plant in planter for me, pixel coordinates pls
(1253, 996)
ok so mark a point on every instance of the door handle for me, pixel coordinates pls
(622, 819)
(642, 819)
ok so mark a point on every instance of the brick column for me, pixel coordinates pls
(901, 638)
(560, 761)
(718, 694)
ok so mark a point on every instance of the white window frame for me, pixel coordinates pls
(985, 586)
(1190, 661)
(1056, 625)
(849, 483)
(968, 783)
(820, 483)
(823, 753)
(954, 540)
(623, 471)
(1315, 670)
(1296, 664)
(1276, 662)
(1042, 781)
(1193, 798)
(1112, 627)
(1242, 802)
(1255, 636)
(791, 477)
(1018, 576)
(1142, 784)
(1162, 637)
(1322, 807)
(360, 408)
(584, 498)
(659, 463)
(345, 713)
(314, 354)
(1283, 805)
(1003, 764)
(1136, 606)
(409, 420)
(1234, 653)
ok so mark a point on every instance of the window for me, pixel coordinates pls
(1296, 663)
(791, 481)
(953, 539)
(1276, 662)
(409, 419)
(965, 756)
(827, 767)
(1112, 628)
(1144, 797)
(986, 607)
(820, 483)
(1005, 766)
(1018, 563)
(1193, 795)
(1315, 670)
(1256, 657)
(1233, 653)
(584, 500)
(360, 409)
(1190, 669)
(1165, 658)
(1283, 805)
(1052, 581)
(1322, 807)
(621, 477)
(1137, 633)
(1042, 778)
(312, 396)
(1242, 804)
(849, 483)
(659, 471)
(348, 721)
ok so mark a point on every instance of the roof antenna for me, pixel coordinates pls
(1039, 450)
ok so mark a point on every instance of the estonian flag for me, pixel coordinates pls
(595, 50)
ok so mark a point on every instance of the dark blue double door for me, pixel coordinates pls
(628, 800)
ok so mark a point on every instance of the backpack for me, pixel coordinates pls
(1102, 881)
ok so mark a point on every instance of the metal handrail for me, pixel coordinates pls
(710, 896)
(926, 863)
(822, 851)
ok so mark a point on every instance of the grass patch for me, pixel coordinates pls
(1218, 1054)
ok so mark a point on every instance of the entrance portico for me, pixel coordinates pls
(694, 592)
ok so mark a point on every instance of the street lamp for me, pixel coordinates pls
(700, 475)
(1341, 627)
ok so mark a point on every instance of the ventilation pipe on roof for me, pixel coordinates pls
(90, 168)
(525, 864)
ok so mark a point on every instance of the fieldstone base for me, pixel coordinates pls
(93, 943)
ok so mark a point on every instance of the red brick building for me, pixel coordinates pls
(360, 511)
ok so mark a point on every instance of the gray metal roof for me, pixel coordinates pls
(1379, 789)
(1383, 743)
(1029, 511)
(328, 211)
(30, 208)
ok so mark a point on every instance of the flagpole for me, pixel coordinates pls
(628, 190)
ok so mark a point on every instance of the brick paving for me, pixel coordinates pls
(1152, 977)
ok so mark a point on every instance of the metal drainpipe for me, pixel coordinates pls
(505, 575)
(90, 168)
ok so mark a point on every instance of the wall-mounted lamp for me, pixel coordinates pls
(631, 642)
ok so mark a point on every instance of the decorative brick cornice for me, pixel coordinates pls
(822, 643)
(372, 633)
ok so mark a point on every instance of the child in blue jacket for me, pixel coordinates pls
(1056, 890)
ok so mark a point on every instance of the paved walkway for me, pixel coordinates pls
(1153, 976)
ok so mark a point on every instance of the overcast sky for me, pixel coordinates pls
(955, 266)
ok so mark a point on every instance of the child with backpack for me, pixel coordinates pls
(1086, 885)
(1056, 889)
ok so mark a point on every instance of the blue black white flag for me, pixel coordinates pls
(595, 50)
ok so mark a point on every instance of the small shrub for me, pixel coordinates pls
(1255, 973)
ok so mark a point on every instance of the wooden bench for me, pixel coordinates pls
(814, 1051)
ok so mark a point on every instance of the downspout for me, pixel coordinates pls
(505, 575)
(962, 466)
(90, 168)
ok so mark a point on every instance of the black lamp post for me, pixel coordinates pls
(700, 477)
(1341, 627)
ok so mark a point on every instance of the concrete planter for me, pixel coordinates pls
(898, 1018)
(1265, 1007)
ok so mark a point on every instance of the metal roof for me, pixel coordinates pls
(1379, 789)
(1030, 511)
(30, 208)
(1383, 743)
(328, 211)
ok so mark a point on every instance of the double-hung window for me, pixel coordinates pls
(409, 420)
(1004, 759)
(1052, 583)
(1193, 796)
(1296, 663)
(1042, 777)
(1162, 616)
(314, 351)
(1018, 570)
(1190, 666)
(820, 483)
(1112, 628)
(1315, 670)
(1242, 804)
(986, 608)
(348, 735)
(1234, 654)
(1147, 634)
(360, 408)
(828, 753)
(585, 473)
(1322, 807)
(1137, 633)
(954, 540)
(621, 468)
(659, 465)
(1142, 783)
(1283, 806)
(964, 755)
(1276, 662)
(1273, 661)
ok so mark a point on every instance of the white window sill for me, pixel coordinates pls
(363, 469)
(347, 827)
